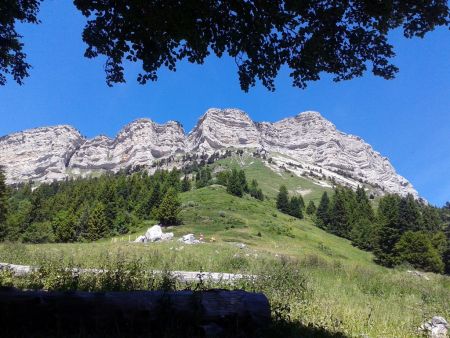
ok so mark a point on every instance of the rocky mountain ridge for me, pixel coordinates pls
(49, 153)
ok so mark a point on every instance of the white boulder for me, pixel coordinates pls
(140, 239)
(154, 234)
(189, 239)
(167, 236)
(241, 245)
(418, 274)
(437, 327)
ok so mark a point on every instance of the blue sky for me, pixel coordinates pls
(406, 119)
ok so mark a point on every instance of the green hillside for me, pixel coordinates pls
(341, 289)
(269, 180)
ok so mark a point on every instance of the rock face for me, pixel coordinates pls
(40, 154)
(139, 143)
(310, 138)
(218, 129)
(45, 154)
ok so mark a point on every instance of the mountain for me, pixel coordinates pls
(307, 145)
(138, 143)
(40, 154)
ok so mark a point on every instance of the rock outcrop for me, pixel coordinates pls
(310, 138)
(40, 154)
(138, 143)
(437, 327)
(223, 128)
(45, 154)
(154, 234)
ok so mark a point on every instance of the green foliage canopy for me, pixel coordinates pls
(416, 248)
(309, 37)
(343, 38)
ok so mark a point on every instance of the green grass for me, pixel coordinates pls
(269, 180)
(345, 291)
(213, 212)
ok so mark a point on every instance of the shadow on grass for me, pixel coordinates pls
(296, 329)
(169, 328)
(129, 314)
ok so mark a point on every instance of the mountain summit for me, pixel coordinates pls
(305, 143)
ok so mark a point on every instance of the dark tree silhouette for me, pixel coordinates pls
(311, 37)
(12, 57)
(338, 37)
(283, 200)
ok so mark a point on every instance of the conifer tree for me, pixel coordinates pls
(446, 255)
(222, 177)
(173, 180)
(311, 208)
(64, 227)
(203, 177)
(145, 206)
(301, 202)
(439, 241)
(207, 175)
(169, 208)
(363, 208)
(323, 211)
(37, 208)
(185, 184)
(82, 227)
(255, 191)
(295, 207)
(123, 190)
(253, 186)
(3, 205)
(123, 222)
(243, 181)
(431, 220)
(409, 217)
(108, 197)
(198, 180)
(283, 200)
(363, 233)
(97, 223)
(234, 186)
(389, 232)
(416, 248)
(259, 194)
(155, 198)
(339, 223)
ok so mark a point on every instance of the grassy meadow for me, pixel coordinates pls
(318, 284)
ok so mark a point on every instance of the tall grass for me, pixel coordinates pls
(308, 296)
